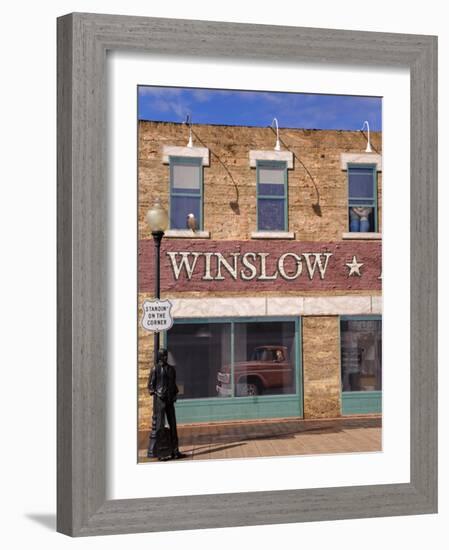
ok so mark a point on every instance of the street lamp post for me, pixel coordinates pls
(157, 220)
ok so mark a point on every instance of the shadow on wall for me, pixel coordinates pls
(235, 203)
(316, 205)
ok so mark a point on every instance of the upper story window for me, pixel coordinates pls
(186, 191)
(362, 198)
(272, 208)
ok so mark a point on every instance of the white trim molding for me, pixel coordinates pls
(360, 158)
(218, 307)
(359, 235)
(276, 305)
(186, 234)
(272, 235)
(376, 305)
(338, 305)
(285, 156)
(175, 151)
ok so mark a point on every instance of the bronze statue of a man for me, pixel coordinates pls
(163, 388)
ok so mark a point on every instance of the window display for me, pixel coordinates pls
(361, 355)
(362, 198)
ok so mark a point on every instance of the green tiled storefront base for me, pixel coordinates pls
(248, 408)
(361, 402)
(242, 408)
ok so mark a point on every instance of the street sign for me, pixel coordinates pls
(157, 315)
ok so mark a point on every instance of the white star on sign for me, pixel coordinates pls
(354, 267)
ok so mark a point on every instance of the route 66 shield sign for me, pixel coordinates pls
(157, 315)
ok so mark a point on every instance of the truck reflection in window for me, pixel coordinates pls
(260, 353)
(268, 371)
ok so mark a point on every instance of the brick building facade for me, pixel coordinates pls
(279, 262)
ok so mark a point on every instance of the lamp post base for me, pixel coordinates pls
(151, 453)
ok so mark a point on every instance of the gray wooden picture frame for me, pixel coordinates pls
(83, 40)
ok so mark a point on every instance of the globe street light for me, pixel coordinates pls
(157, 220)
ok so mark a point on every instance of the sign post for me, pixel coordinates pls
(157, 315)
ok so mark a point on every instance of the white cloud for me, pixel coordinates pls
(156, 91)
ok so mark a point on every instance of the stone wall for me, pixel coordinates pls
(230, 182)
(230, 215)
(321, 367)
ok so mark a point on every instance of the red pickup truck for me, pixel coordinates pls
(268, 370)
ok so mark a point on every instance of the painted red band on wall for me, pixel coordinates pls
(226, 265)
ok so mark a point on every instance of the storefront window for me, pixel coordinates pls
(233, 359)
(199, 351)
(361, 355)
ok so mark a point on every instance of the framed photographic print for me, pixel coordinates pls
(247, 274)
(271, 245)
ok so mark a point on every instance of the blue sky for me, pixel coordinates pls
(293, 110)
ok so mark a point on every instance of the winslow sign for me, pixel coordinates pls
(251, 265)
(206, 265)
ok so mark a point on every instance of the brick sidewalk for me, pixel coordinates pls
(245, 439)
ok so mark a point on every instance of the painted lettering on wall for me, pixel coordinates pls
(251, 265)
(191, 265)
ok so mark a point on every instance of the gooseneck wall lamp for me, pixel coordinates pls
(368, 145)
(277, 147)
